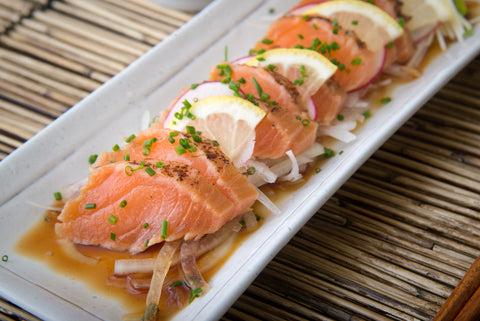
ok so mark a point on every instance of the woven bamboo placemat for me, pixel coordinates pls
(391, 244)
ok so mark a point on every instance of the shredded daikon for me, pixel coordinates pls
(262, 198)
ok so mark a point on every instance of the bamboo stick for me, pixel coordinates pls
(98, 11)
(9, 15)
(20, 122)
(460, 295)
(105, 23)
(24, 113)
(10, 141)
(5, 148)
(433, 115)
(166, 20)
(20, 6)
(72, 53)
(50, 70)
(101, 35)
(162, 10)
(63, 87)
(140, 19)
(36, 88)
(15, 130)
(100, 49)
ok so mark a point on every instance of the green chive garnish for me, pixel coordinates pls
(193, 294)
(367, 114)
(356, 61)
(92, 158)
(115, 147)
(145, 225)
(385, 100)
(113, 219)
(267, 41)
(129, 139)
(150, 171)
(146, 243)
(126, 157)
(164, 229)
(178, 283)
(123, 203)
(57, 196)
(251, 170)
(90, 206)
(5, 258)
(159, 164)
(113, 236)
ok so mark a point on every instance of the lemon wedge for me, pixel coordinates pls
(370, 23)
(229, 120)
(306, 68)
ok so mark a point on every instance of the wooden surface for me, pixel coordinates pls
(391, 244)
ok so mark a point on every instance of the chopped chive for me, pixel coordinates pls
(271, 10)
(251, 170)
(356, 61)
(164, 229)
(146, 151)
(461, 7)
(385, 100)
(327, 152)
(468, 33)
(145, 225)
(306, 122)
(300, 36)
(340, 152)
(115, 147)
(126, 157)
(150, 171)
(57, 196)
(267, 41)
(354, 22)
(5, 258)
(315, 26)
(159, 164)
(123, 203)
(390, 45)
(340, 117)
(335, 22)
(401, 22)
(146, 243)
(90, 206)
(196, 138)
(193, 86)
(178, 283)
(194, 293)
(271, 67)
(113, 236)
(92, 158)
(318, 170)
(335, 31)
(190, 129)
(225, 53)
(130, 138)
(367, 114)
(113, 219)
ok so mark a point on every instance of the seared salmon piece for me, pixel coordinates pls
(161, 143)
(329, 101)
(123, 206)
(358, 66)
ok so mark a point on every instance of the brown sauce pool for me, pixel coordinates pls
(42, 244)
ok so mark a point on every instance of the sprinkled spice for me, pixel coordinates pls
(90, 206)
(57, 196)
(113, 219)
(92, 158)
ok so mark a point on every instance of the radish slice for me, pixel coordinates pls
(298, 11)
(203, 90)
(381, 58)
(311, 109)
(420, 34)
(242, 60)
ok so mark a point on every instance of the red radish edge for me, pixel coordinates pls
(421, 34)
(242, 60)
(301, 9)
(380, 65)
(311, 109)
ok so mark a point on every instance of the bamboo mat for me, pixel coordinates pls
(391, 244)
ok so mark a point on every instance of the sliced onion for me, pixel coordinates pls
(160, 270)
(340, 131)
(263, 174)
(311, 109)
(46, 207)
(127, 266)
(294, 174)
(190, 269)
(262, 198)
(71, 250)
(420, 34)
(250, 221)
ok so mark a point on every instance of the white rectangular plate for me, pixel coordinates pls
(58, 156)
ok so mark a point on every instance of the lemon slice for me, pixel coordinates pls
(370, 23)
(306, 68)
(229, 120)
(425, 13)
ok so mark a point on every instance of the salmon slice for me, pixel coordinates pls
(191, 205)
(329, 101)
(208, 159)
(358, 66)
(281, 131)
(286, 125)
(278, 87)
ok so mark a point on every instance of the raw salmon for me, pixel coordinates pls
(208, 159)
(286, 125)
(329, 101)
(358, 66)
(176, 193)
